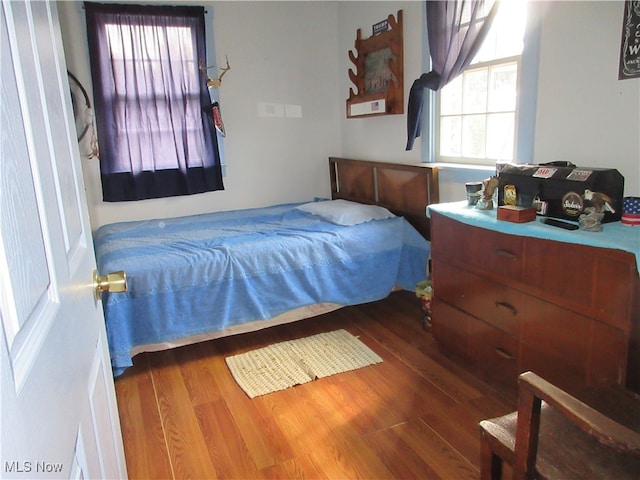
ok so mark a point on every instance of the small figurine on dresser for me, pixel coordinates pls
(591, 219)
(488, 190)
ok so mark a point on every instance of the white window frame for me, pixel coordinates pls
(482, 160)
(526, 101)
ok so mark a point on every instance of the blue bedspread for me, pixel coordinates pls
(204, 273)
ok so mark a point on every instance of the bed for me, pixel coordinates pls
(201, 277)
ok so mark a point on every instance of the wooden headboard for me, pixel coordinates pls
(404, 189)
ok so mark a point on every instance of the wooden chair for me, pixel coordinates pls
(554, 435)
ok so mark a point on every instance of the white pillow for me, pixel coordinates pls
(346, 213)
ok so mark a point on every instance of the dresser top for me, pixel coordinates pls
(614, 235)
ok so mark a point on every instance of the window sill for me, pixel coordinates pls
(464, 166)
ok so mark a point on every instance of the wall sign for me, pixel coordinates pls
(380, 27)
(379, 71)
(630, 44)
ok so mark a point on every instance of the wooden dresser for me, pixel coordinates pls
(506, 302)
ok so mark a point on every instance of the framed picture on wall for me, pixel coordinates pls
(630, 44)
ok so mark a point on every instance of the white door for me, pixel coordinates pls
(59, 413)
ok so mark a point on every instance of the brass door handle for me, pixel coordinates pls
(114, 282)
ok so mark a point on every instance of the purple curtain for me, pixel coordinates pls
(456, 30)
(153, 111)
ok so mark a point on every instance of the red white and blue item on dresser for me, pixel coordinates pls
(631, 211)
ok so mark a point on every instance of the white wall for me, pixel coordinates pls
(285, 54)
(584, 113)
(297, 53)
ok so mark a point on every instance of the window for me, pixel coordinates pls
(477, 111)
(153, 111)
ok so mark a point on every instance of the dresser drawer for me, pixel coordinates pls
(575, 351)
(553, 368)
(487, 300)
(608, 359)
(496, 253)
(450, 328)
(616, 288)
(450, 283)
(493, 352)
(596, 282)
(558, 332)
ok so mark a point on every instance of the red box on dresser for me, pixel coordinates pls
(515, 214)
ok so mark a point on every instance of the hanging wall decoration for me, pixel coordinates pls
(630, 44)
(214, 82)
(379, 71)
(83, 117)
(217, 119)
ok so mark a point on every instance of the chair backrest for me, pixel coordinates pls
(534, 392)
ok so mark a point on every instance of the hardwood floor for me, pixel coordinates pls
(413, 416)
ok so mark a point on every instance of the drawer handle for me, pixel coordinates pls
(506, 253)
(508, 307)
(504, 354)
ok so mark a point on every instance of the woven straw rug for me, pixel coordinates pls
(283, 365)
